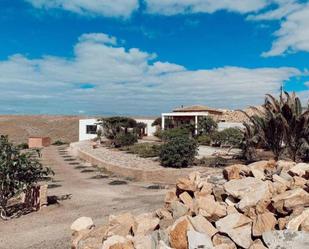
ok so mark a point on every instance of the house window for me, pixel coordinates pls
(91, 129)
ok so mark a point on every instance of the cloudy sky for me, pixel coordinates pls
(143, 57)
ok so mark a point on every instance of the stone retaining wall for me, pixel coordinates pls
(159, 175)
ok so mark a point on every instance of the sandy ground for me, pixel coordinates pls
(50, 227)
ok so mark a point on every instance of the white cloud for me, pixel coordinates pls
(126, 81)
(172, 7)
(293, 35)
(110, 8)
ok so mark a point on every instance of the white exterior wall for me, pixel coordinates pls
(82, 129)
(150, 130)
(225, 125)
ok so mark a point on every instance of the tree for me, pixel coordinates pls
(19, 171)
(281, 126)
(207, 125)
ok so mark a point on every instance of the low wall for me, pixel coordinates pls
(160, 175)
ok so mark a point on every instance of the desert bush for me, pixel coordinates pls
(207, 125)
(228, 137)
(204, 140)
(169, 134)
(23, 146)
(18, 172)
(144, 149)
(124, 139)
(178, 152)
(59, 143)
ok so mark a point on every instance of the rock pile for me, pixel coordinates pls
(261, 205)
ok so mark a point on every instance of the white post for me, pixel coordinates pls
(196, 125)
(163, 122)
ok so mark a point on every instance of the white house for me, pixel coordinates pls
(88, 128)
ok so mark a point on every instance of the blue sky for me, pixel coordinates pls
(145, 57)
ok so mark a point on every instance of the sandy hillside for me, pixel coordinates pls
(19, 128)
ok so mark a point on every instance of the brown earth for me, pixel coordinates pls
(19, 128)
(92, 195)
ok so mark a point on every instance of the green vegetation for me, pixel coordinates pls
(121, 131)
(207, 125)
(124, 139)
(204, 140)
(178, 152)
(59, 143)
(18, 172)
(144, 149)
(169, 134)
(282, 126)
(231, 137)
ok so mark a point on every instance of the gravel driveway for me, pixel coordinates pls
(92, 195)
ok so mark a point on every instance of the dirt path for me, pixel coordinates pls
(92, 195)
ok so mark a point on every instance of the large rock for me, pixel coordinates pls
(178, 209)
(295, 222)
(185, 184)
(82, 223)
(186, 199)
(300, 169)
(121, 224)
(286, 239)
(291, 199)
(263, 223)
(238, 227)
(198, 240)
(304, 226)
(249, 190)
(223, 242)
(202, 225)
(170, 197)
(263, 166)
(143, 242)
(211, 209)
(257, 244)
(178, 233)
(117, 242)
(145, 224)
(236, 171)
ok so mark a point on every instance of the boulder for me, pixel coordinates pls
(198, 240)
(236, 171)
(257, 244)
(209, 208)
(300, 169)
(170, 197)
(282, 223)
(263, 166)
(238, 227)
(163, 213)
(186, 199)
(82, 223)
(304, 226)
(121, 224)
(206, 188)
(143, 242)
(299, 182)
(295, 222)
(162, 245)
(178, 233)
(284, 166)
(202, 225)
(224, 242)
(117, 242)
(249, 190)
(185, 184)
(285, 239)
(291, 199)
(178, 209)
(263, 223)
(259, 174)
(145, 224)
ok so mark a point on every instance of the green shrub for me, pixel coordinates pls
(23, 146)
(18, 172)
(125, 139)
(228, 137)
(169, 134)
(207, 125)
(204, 140)
(178, 152)
(59, 143)
(144, 149)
